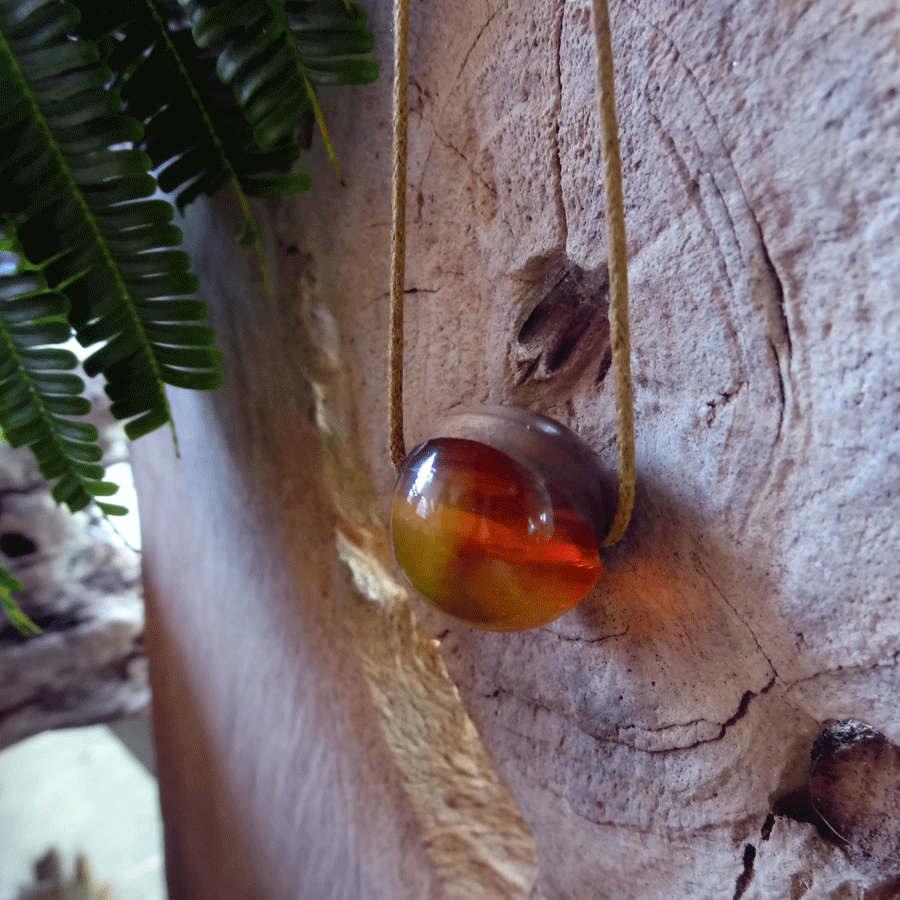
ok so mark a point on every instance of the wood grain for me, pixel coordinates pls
(646, 735)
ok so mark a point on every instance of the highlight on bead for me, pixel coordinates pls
(498, 520)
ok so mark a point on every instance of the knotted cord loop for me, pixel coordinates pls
(615, 235)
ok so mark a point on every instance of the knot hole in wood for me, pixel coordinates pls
(564, 338)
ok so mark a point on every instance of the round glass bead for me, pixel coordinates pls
(488, 538)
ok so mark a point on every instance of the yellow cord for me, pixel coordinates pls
(398, 233)
(618, 270)
(615, 234)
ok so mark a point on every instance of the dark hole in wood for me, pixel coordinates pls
(749, 855)
(605, 363)
(838, 736)
(854, 784)
(569, 339)
(744, 879)
(797, 805)
(569, 320)
(13, 545)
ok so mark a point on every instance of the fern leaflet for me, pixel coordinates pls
(60, 127)
(39, 391)
(272, 50)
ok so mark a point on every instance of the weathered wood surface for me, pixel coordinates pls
(83, 588)
(646, 735)
(309, 743)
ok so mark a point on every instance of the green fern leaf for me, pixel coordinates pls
(272, 51)
(84, 201)
(195, 133)
(39, 392)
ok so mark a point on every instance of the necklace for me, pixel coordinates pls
(498, 520)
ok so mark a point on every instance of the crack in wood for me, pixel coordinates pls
(500, 694)
(781, 395)
(746, 876)
(719, 402)
(778, 285)
(490, 188)
(864, 668)
(699, 563)
(557, 159)
(742, 708)
(478, 37)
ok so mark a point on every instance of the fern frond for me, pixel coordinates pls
(272, 50)
(195, 133)
(77, 190)
(39, 391)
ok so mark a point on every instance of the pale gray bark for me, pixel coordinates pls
(646, 736)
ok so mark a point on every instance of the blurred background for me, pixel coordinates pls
(79, 791)
(75, 790)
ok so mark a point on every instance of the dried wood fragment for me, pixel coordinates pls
(82, 587)
(646, 736)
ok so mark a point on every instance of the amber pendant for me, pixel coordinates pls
(498, 521)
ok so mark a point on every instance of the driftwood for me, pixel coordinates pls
(82, 587)
(310, 741)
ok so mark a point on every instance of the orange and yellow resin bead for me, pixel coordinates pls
(502, 539)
